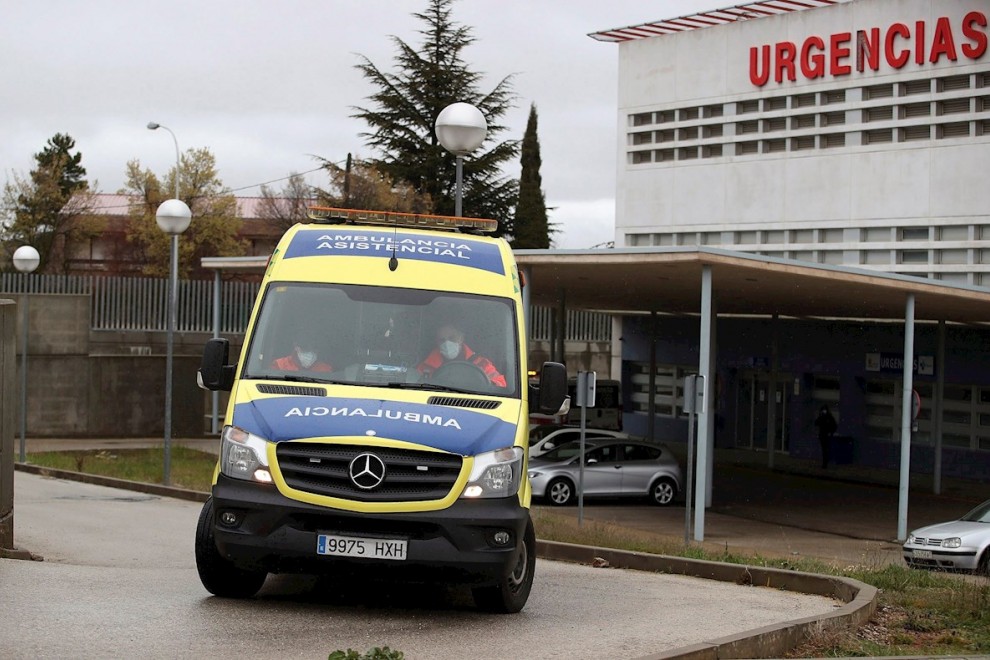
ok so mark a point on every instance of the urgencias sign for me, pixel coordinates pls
(838, 54)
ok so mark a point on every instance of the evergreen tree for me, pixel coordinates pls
(405, 107)
(531, 229)
(51, 208)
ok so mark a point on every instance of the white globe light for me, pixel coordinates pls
(173, 216)
(26, 259)
(461, 128)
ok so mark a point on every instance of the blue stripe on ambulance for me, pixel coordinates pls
(455, 430)
(452, 249)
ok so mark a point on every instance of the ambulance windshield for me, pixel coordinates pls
(385, 337)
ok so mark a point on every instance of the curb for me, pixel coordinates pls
(860, 599)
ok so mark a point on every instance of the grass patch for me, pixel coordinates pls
(919, 612)
(188, 468)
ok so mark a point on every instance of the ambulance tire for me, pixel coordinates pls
(218, 575)
(461, 373)
(509, 594)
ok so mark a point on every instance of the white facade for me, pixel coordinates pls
(876, 154)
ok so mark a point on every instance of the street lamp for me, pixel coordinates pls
(461, 128)
(26, 260)
(173, 218)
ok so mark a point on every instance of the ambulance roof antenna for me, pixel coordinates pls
(393, 263)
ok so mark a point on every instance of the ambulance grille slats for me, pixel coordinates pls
(410, 476)
(483, 404)
(294, 390)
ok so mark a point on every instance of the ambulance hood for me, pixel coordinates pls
(452, 429)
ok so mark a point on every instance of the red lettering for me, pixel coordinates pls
(786, 50)
(942, 42)
(839, 52)
(813, 66)
(899, 59)
(868, 50)
(757, 77)
(978, 47)
(919, 42)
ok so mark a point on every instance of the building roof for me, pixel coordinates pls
(716, 17)
(112, 204)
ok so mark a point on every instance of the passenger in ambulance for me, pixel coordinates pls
(450, 347)
(304, 357)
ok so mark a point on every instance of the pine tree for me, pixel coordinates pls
(403, 112)
(531, 228)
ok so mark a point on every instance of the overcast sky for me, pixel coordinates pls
(267, 85)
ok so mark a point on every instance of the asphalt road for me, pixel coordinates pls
(119, 580)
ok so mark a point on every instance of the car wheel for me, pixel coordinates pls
(510, 593)
(663, 491)
(983, 568)
(560, 492)
(219, 575)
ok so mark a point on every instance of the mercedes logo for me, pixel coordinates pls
(367, 471)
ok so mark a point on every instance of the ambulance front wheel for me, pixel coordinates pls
(219, 575)
(510, 593)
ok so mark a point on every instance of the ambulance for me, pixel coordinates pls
(353, 444)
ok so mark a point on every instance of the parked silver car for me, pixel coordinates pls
(962, 544)
(612, 468)
(543, 439)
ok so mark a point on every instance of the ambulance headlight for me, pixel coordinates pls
(244, 455)
(495, 474)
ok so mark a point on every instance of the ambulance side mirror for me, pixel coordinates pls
(214, 372)
(551, 394)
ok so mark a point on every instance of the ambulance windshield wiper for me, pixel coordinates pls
(429, 386)
(303, 379)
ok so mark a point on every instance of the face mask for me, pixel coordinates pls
(450, 349)
(306, 358)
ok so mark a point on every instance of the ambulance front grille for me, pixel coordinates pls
(410, 475)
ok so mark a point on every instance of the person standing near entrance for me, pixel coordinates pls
(827, 427)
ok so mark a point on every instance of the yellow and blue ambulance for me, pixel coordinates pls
(378, 413)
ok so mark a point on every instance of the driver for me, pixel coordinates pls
(450, 346)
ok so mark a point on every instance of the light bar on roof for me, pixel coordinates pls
(330, 215)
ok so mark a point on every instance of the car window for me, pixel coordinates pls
(640, 453)
(606, 454)
(562, 452)
(979, 514)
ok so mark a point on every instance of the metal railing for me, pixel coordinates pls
(141, 304)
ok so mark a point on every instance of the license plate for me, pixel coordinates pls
(922, 554)
(355, 546)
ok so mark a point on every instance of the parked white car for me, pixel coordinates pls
(543, 438)
(962, 544)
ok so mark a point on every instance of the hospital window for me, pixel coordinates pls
(802, 121)
(745, 148)
(646, 137)
(912, 256)
(878, 92)
(831, 257)
(952, 106)
(689, 133)
(883, 113)
(663, 155)
(802, 255)
(833, 118)
(686, 114)
(952, 83)
(984, 256)
(983, 127)
(983, 103)
(665, 116)
(803, 100)
(830, 235)
(983, 80)
(876, 234)
(803, 143)
(875, 257)
(639, 157)
(912, 133)
(833, 140)
(914, 234)
(668, 395)
(878, 137)
(745, 127)
(775, 103)
(959, 129)
(711, 111)
(687, 153)
(802, 235)
(914, 110)
(774, 146)
(746, 238)
(711, 151)
(773, 237)
(642, 119)
(713, 131)
(834, 96)
(775, 124)
(916, 87)
(952, 257)
(665, 136)
(746, 107)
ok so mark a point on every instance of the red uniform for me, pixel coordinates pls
(435, 360)
(291, 363)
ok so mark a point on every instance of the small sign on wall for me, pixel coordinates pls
(924, 365)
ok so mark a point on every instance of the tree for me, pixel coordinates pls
(215, 221)
(288, 206)
(51, 209)
(362, 185)
(404, 110)
(531, 228)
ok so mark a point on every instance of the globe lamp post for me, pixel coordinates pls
(26, 260)
(461, 128)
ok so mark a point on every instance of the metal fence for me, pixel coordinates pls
(141, 303)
